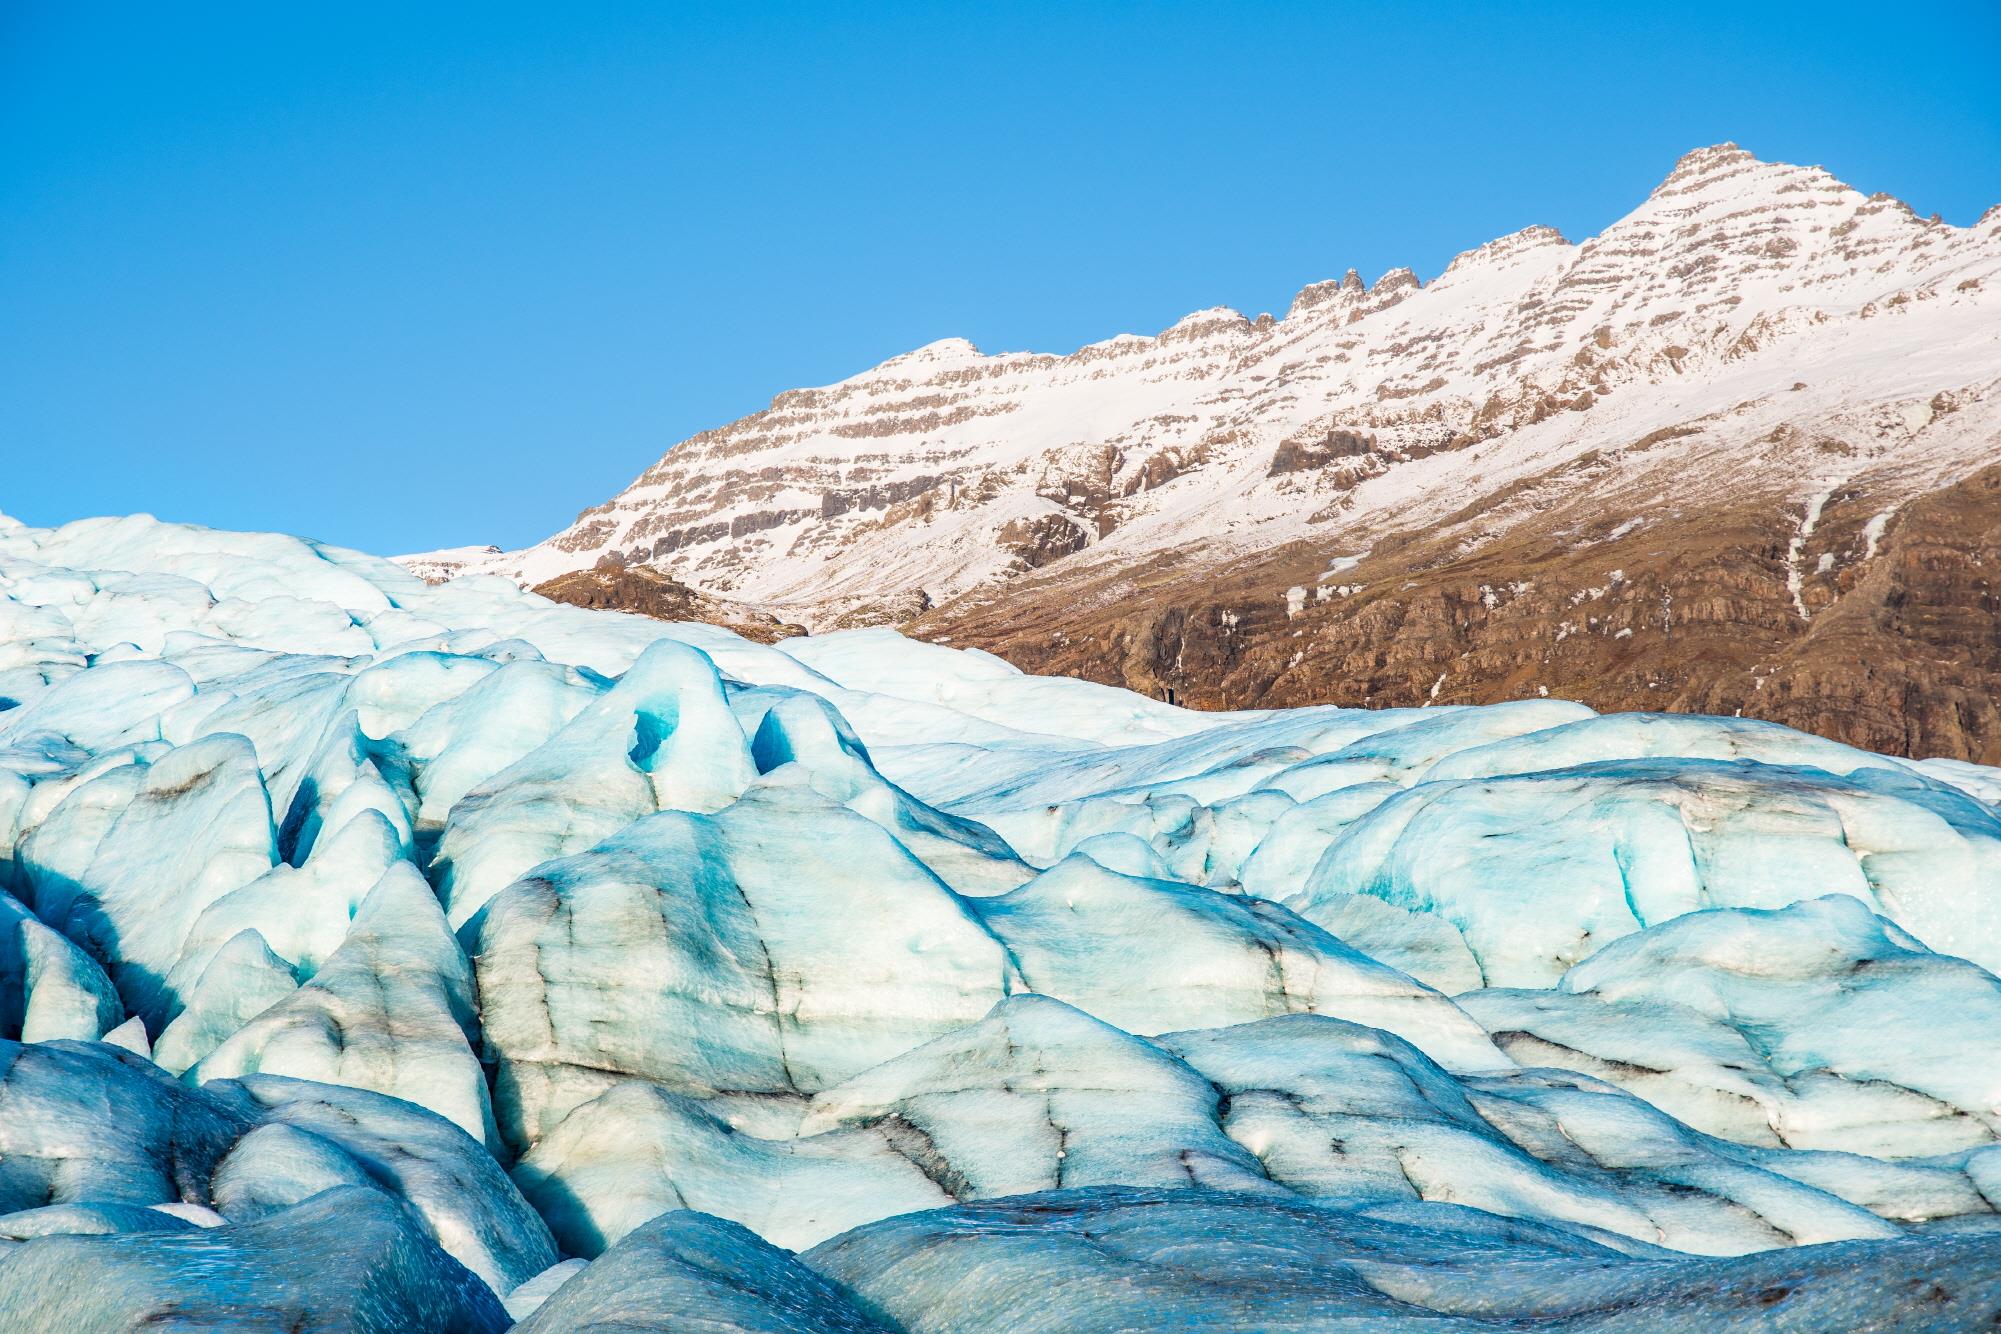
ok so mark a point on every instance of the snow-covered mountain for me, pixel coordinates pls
(1756, 348)
(384, 955)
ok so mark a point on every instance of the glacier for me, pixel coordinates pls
(377, 954)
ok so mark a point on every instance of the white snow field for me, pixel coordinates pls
(377, 955)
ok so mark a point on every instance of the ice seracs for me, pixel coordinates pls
(688, 1270)
(1775, 1027)
(376, 953)
(1084, 1262)
(349, 1258)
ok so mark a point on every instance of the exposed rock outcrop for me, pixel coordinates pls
(615, 586)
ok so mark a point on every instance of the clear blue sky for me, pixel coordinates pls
(413, 275)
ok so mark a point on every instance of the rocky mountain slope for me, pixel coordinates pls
(1733, 454)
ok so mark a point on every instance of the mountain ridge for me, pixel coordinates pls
(1756, 349)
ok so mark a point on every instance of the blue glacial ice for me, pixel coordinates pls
(378, 955)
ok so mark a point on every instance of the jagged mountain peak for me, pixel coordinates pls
(1332, 290)
(1394, 280)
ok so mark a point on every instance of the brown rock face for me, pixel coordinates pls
(1878, 623)
(1909, 659)
(614, 587)
(1038, 542)
(1900, 650)
(1304, 455)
